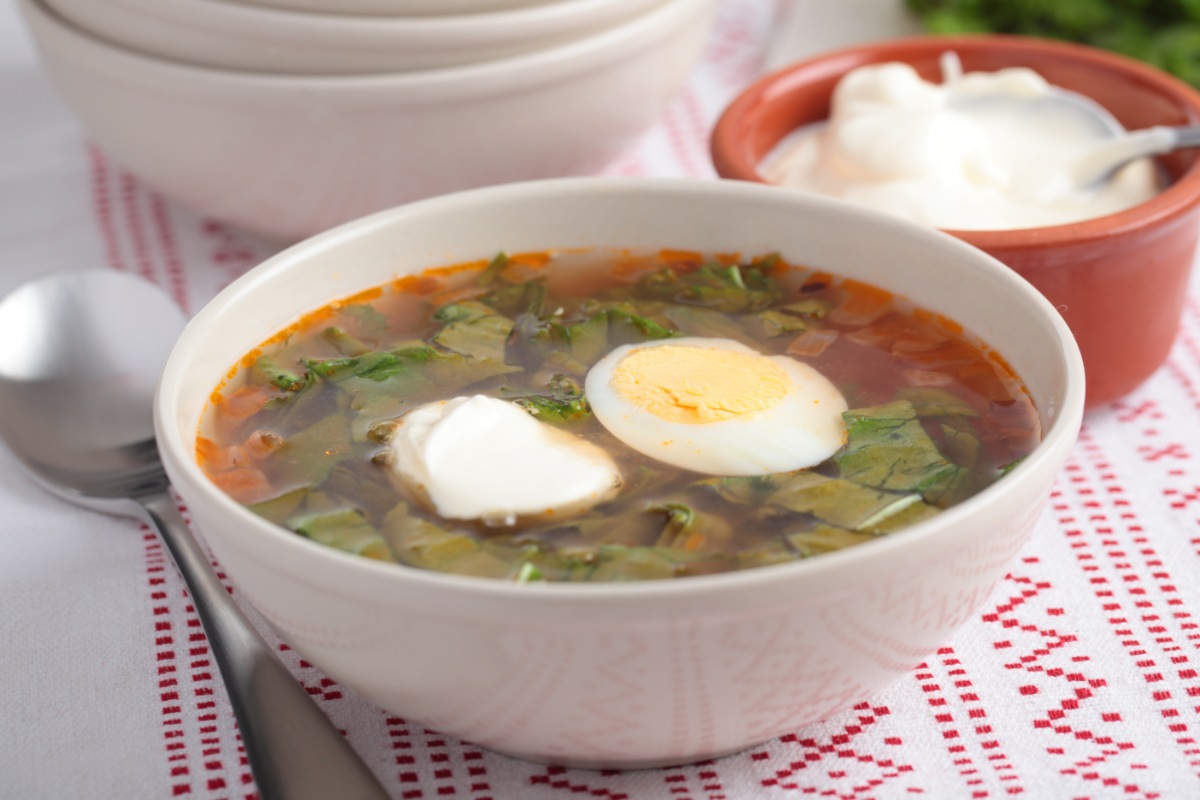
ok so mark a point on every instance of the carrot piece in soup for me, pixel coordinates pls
(863, 305)
(221, 459)
(983, 380)
(262, 443)
(812, 342)
(245, 402)
(207, 453)
(243, 484)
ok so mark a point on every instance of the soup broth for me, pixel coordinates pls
(303, 431)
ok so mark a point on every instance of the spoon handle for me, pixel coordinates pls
(295, 752)
(1187, 136)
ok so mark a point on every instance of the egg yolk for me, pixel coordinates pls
(695, 385)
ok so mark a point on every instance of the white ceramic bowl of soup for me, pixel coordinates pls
(289, 156)
(245, 37)
(627, 675)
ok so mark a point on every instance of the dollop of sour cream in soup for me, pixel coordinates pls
(937, 155)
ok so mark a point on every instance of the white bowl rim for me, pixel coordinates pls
(396, 7)
(507, 73)
(316, 21)
(1058, 437)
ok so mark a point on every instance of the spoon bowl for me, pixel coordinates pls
(1101, 163)
(80, 355)
(77, 382)
(1063, 109)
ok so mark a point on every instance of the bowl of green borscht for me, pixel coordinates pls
(620, 473)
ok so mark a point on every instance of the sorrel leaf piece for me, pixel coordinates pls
(345, 343)
(307, 457)
(887, 447)
(588, 339)
(514, 299)
(825, 539)
(473, 330)
(282, 508)
(962, 447)
(731, 289)
(266, 371)
(617, 563)
(609, 563)
(564, 401)
(534, 338)
(376, 365)
(576, 346)
(421, 543)
(844, 503)
(367, 321)
(385, 383)
(346, 530)
(689, 529)
(778, 322)
(626, 327)
(928, 401)
(748, 490)
(490, 276)
(693, 321)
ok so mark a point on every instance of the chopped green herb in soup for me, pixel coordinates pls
(613, 416)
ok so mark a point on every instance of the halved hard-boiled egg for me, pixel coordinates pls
(717, 406)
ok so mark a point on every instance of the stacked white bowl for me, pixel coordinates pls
(286, 117)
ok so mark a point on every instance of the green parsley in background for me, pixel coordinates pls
(1165, 33)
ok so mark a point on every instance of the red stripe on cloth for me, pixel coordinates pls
(481, 787)
(1185, 360)
(680, 127)
(935, 696)
(169, 247)
(102, 207)
(1145, 411)
(736, 51)
(131, 192)
(825, 757)
(323, 689)
(977, 720)
(1104, 530)
(208, 719)
(444, 766)
(677, 780)
(400, 736)
(203, 687)
(228, 252)
(557, 778)
(174, 741)
(1164, 621)
(1055, 670)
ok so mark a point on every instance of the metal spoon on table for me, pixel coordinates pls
(80, 354)
(1114, 145)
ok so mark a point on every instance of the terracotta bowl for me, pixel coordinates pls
(1118, 280)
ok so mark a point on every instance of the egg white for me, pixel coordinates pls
(803, 429)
